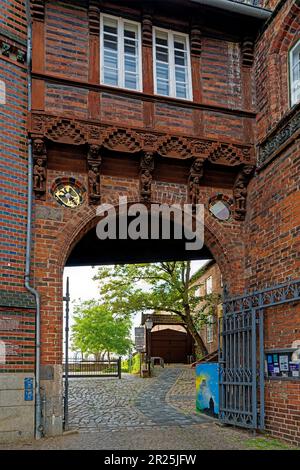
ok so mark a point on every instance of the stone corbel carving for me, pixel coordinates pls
(146, 169)
(94, 161)
(39, 167)
(240, 191)
(196, 174)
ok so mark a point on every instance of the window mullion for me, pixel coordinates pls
(121, 55)
(172, 75)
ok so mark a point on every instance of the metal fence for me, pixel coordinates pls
(241, 353)
(88, 368)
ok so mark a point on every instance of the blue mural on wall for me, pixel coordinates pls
(207, 385)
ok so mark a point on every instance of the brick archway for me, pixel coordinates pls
(224, 241)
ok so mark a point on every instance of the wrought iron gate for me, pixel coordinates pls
(241, 354)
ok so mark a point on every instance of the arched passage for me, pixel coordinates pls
(223, 242)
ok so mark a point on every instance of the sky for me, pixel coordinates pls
(82, 286)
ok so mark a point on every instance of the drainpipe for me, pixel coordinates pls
(38, 426)
(236, 7)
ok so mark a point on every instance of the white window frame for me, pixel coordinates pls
(121, 68)
(172, 80)
(210, 329)
(211, 288)
(293, 99)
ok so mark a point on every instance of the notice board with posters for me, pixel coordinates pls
(280, 363)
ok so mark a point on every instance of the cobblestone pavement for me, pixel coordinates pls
(182, 395)
(97, 404)
(134, 413)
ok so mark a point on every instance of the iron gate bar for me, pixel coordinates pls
(66, 374)
(241, 331)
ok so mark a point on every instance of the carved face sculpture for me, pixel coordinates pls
(148, 159)
(39, 147)
(247, 170)
(39, 162)
(197, 166)
(94, 151)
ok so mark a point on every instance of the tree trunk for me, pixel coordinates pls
(200, 347)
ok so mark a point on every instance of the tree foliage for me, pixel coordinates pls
(158, 287)
(98, 329)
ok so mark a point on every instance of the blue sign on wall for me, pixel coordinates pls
(28, 389)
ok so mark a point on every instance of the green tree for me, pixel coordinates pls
(98, 329)
(159, 287)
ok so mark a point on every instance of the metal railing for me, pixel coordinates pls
(87, 368)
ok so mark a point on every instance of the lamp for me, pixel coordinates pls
(149, 323)
(149, 326)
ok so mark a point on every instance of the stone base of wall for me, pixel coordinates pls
(52, 402)
(16, 414)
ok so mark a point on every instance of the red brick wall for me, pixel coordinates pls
(66, 100)
(67, 55)
(273, 216)
(116, 108)
(271, 67)
(13, 153)
(273, 248)
(13, 18)
(17, 308)
(221, 73)
(17, 330)
(283, 410)
(66, 52)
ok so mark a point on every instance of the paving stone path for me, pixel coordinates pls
(134, 413)
(97, 404)
(153, 404)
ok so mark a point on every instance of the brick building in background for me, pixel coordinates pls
(122, 98)
(210, 282)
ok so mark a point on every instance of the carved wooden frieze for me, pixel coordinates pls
(66, 132)
(78, 132)
(195, 177)
(122, 140)
(94, 161)
(146, 169)
(174, 147)
(221, 153)
(278, 138)
(39, 167)
(240, 191)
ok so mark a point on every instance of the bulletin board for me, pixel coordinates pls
(280, 364)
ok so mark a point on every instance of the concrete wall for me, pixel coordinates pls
(16, 414)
